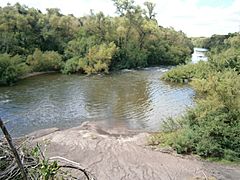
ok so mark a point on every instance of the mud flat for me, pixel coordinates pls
(122, 154)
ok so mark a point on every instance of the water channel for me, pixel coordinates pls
(135, 99)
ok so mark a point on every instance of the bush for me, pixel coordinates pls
(185, 73)
(217, 116)
(99, 58)
(212, 129)
(71, 66)
(45, 61)
(229, 59)
(183, 142)
(11, 68)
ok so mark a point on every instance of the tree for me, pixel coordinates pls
(124, 6)
(138, 38)
(99, 57)
(150, 10)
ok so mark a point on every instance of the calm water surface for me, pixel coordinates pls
(134, 99)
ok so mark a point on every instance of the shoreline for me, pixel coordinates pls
(124, 154)
(33, 74)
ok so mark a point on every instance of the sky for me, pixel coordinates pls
(193, 17)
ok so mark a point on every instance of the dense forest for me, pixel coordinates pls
(212, 128)
(31, 41)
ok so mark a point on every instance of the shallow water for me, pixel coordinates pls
(133, 99)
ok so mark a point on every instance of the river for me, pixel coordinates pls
(135, 99)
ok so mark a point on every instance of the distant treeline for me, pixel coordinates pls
(31, 41)
(213, 43)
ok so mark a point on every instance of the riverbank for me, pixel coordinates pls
(29, 75)
(119, 153)
(36, 74)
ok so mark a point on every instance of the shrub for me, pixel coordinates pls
(185, 73)
(99, 58)
(183, 142)
(45, 61)
(11, 68)
(229, 59)
(71, 66)
(212, 129)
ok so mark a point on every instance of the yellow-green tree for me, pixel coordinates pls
(99, 57)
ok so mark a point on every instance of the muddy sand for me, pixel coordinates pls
(121, 154)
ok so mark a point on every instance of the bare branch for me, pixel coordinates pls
(13, 149)
(73, 165)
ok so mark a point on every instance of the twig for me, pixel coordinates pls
(20, 163)
(74, 165)
(15, 153)
(206, 178)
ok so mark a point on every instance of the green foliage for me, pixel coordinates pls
(45, 61)
(217, 42)
(182, 142)
(71, 66)
(228, 58)
(45, 169)
(171, 125)
(11, 68)
(168, 47)
(185, 73)
(212, 128)
(80, 46)
(48, 170)
(17, 32)
(37, 166)
(130, 57)
(99, 57)
(199, 42)
(136, 57)
(216, 118)
(138, 38)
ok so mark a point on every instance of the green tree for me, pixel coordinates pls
(99, 58)
(150, 9)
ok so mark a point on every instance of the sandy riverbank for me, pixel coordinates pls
(118, 153)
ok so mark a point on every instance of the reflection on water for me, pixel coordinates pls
(135, 99)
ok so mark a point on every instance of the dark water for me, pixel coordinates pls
(135, 99)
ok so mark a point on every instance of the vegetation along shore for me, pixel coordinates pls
(34, 43)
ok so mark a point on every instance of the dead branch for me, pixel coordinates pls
(17, 160)
(73, 165)
(13, 149)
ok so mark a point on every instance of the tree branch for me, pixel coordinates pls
(13, 149)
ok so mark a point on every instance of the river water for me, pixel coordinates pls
(132, 99)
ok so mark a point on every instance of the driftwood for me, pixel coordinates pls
(20, 164)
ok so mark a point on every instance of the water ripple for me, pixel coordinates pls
(134, 98)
